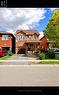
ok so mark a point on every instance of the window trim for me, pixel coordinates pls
(21, 37)
(4, 38)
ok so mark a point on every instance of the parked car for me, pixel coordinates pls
(2, 52)
(57, 50)
(54, 48)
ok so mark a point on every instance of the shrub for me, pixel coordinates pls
(9, 53)
(41, 56)
(50, 54)
(57, 56)
(46, 55)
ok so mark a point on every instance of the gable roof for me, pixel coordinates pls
(28, 32)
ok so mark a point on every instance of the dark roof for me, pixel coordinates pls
(28, 32)
(2, 33)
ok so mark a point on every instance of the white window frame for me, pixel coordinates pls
(20, 37)
(4, 37)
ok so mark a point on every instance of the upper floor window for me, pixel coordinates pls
(30, 37)
(21, 37)
(34, 36)
(4, 37)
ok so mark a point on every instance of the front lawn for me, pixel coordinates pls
(5, 57)
(47, 62)
(8, 55)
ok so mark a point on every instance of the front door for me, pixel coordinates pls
(28, 49)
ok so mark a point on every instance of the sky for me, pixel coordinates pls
(12, 19)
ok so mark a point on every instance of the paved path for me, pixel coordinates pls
(29, 75)
(16, 58)
(21, 57)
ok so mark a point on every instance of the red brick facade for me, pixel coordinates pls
(7, 44)
(24, 41)
(43, 43)
(27, 44)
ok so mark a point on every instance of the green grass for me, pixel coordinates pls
(5, 57)
(47, 62)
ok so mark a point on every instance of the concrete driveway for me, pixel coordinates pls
(21, 57)
(18, 59)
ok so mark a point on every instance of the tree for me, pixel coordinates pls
(52, 28)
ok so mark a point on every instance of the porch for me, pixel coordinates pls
(32, 45)
(28, 47)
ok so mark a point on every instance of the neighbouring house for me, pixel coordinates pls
(29, 40)
(7, 41)
(51, 44)
(43, 44)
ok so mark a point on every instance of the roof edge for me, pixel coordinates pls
(42, 37)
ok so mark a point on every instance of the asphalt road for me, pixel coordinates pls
(29, 75)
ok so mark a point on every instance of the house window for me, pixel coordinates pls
(35, 46)
(21, 37)
(4, 37)
(35, 36)
(30, 37)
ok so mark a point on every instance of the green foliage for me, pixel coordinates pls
(47, 62)
(9, 53)
(52, 28)
(41, 56)
(50, 54)
(57, 56)
(46, 55)
(5, 57)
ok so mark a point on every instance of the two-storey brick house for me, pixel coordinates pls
(29, 40)
(7, 41)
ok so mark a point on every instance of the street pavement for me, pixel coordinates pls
(29, 75)
(24, 73)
